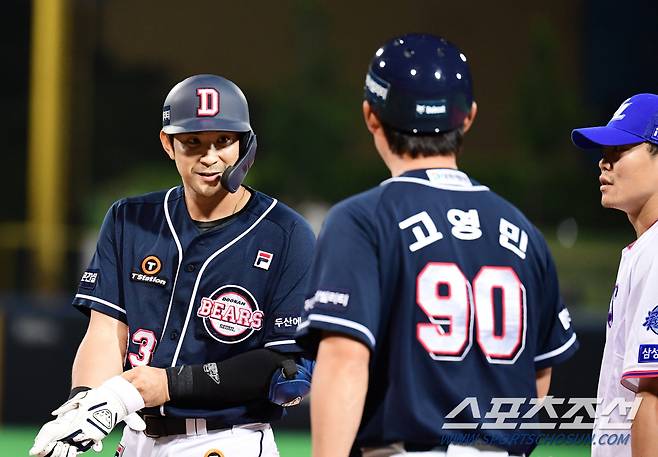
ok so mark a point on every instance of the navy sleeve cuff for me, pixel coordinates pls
(87, 303)
(557, 355)
(309, 330)
(283, 346)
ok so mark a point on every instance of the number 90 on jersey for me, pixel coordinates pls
(457, 310)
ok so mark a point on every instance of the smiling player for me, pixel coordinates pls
(196, 292)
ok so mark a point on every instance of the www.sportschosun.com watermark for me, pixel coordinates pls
(526, 439)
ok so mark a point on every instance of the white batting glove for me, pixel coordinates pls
(59, 449)
(88, 418)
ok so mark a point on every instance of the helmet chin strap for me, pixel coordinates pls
(234, 175)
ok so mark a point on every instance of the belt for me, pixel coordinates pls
(159, 426)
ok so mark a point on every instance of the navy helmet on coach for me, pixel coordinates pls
(204, 103)
(419, 84)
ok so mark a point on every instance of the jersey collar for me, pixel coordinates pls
(184, 229)
(442, 178)
(647, 235)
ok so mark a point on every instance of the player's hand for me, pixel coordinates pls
(151, 383)
(67, 447)
(64, 448)
(291, 383)
(88, 417)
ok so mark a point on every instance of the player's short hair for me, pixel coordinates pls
(426, 145)
(653, 149)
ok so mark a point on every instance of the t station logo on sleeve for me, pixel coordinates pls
(150, 267)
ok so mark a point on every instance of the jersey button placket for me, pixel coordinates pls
(190, 267)
(173, 335)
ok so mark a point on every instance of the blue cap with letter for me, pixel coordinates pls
(635, 121)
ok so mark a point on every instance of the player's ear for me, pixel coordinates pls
(370, 118)
(167, 144)
(470, 117)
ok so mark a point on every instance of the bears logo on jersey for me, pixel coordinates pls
(230, 314)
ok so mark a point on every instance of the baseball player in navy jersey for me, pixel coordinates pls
(196, 292)
(429, 288)
(629, 182)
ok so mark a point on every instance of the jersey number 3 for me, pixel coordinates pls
(146, 341)
(454, 307)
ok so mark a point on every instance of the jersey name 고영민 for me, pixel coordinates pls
(455, 285)
(193, 297)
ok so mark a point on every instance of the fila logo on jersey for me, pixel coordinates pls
(119, 451)
(150, 266)
(208, 102)
(230, 314)
(651, 322)
(263, 260)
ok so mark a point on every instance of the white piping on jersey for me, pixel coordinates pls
(101, 301)
(203, 268)
(279, 343)
(425, 182)
(180, 258)
(339, 321)
(557, 351)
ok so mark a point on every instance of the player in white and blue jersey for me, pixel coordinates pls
(629, 369)
(429, 288)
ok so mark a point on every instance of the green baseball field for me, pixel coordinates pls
(16, 441)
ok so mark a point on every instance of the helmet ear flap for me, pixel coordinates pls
(234, 175)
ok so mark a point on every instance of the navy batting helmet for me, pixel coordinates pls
(204, 103)
(419, 84)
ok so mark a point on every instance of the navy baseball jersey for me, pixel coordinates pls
(190, 296)
(455, 293)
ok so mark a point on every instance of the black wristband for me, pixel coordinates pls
(76, 390)
(235, 381)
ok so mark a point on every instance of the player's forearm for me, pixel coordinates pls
(543, 380)
(644, 439)
(338, 392)
(101, 352)
(232, 382)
